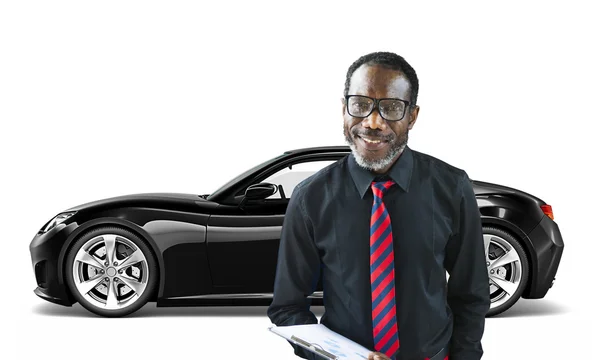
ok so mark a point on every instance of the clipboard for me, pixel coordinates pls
(314, 347)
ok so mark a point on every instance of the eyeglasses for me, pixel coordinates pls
(362, 106)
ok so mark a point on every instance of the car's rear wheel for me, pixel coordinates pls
(508, 269)
(111, 271)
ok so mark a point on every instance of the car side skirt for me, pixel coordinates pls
(256, 299)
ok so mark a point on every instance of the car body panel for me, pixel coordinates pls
(548, 243)
(211, 251)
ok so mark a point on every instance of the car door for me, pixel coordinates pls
(243, 244)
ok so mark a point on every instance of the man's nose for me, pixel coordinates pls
(374, 120)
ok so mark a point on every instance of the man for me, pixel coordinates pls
(382, 226)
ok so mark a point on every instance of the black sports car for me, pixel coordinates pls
(115, 255)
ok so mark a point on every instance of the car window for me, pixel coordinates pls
(289, 178)
(242, 176)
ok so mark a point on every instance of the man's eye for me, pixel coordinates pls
(361, 106)
(390, 108)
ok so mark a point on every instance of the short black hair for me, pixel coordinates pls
(388, 60)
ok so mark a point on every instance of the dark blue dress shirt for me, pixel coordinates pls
(436, 227)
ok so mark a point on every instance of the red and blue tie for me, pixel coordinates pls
(385, 329)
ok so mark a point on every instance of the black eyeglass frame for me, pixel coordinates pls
(407, 105)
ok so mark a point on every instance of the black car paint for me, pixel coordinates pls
(210, 251)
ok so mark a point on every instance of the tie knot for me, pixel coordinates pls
(380, 187)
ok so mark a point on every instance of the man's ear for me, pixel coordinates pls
(414, 113)
(343, 106)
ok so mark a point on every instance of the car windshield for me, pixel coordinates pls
(245, 174)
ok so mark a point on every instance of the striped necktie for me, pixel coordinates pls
(385, 329)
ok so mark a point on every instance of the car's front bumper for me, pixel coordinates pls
(548, 244)
(45, 250)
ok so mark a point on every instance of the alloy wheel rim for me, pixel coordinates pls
(110, 272)
(505, 269)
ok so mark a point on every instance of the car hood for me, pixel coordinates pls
(160, 200)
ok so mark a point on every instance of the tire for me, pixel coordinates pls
(508, 281)
(100, 286)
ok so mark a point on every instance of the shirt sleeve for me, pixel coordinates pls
(468, 284)
(298, 270)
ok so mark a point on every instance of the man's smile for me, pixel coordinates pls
(372, 143)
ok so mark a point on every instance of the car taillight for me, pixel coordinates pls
(547, 209)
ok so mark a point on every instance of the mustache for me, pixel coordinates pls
(373, 133)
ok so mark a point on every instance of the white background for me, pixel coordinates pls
(99, 99)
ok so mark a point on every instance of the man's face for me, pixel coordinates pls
(378, 82)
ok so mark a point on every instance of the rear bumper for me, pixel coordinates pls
(548, 244)
(45, 252)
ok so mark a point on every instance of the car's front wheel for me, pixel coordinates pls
(508, 269)
(111, 271)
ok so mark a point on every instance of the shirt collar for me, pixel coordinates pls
(400, 172)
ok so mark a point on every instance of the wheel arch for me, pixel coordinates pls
(522, 238)
(116, 222)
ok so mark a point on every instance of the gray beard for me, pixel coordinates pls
(381, 163)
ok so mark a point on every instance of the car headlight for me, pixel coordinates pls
(57, 220)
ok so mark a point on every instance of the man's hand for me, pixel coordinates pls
(378, 356)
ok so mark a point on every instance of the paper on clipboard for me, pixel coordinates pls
(323, 341)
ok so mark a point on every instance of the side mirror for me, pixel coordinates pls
(258, 192)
